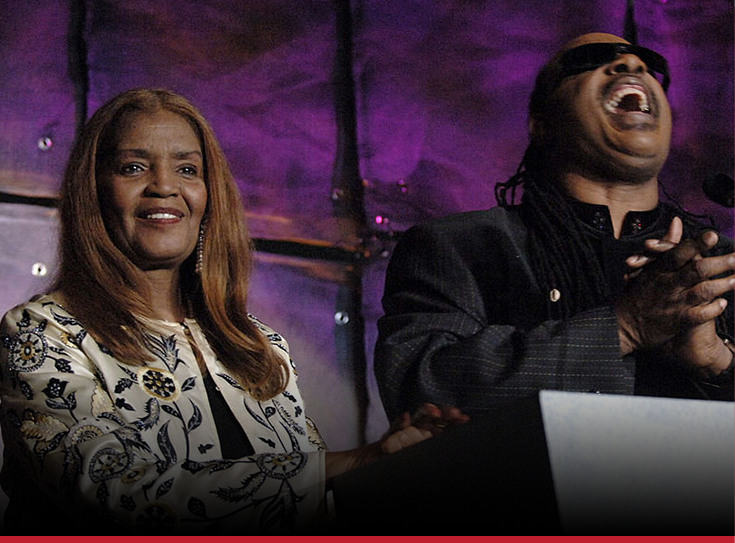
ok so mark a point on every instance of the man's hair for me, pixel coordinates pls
(107, 293)
(560, 254)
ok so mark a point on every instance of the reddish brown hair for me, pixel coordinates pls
(105, 290)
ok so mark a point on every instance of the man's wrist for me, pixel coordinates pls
(723, 374)
(627, 345)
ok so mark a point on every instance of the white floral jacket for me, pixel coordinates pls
(136, 448)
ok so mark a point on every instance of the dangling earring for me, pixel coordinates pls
(200, 249)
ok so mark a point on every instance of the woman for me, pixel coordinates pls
(139, 395)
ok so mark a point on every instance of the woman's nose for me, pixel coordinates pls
(163, 183)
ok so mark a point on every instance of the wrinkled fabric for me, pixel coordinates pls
(109, 447)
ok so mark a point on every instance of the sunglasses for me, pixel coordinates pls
(593, 55)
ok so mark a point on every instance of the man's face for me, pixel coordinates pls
(610, 123)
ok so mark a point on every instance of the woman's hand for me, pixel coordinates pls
(426, 422)
(409, 429)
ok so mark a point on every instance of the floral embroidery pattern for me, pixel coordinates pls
(83, 432)
(108, 464)
(281, 466)
(45, 430)
(28, 351)
(148, 428)
(158, 383)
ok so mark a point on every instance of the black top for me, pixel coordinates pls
(233, 440)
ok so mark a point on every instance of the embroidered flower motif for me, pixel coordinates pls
(41, 427)
(63, 365)
(69, 339)
(157, 518)
(133, 475)
(55, 388)
(108, 464)
(27, 351)
(101, 402)
(281, 465)
(83, 432)
(159, 383)
(315, 436)
(288, 419)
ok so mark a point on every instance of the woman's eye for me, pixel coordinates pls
(188, 170)
(131, 168)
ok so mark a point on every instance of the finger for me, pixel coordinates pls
(652, 247)
(687, 251)
(403, 421)
(676, 230)
(449, 416)
(404, 438)
(702, 270)
(391, 444)
(427, 410)
(425, 415)
(707, 291)
(454, 415)
(637, 261)
(709, 238)
(437, 418)
(657, 246)
(715, 265)
(706, 312)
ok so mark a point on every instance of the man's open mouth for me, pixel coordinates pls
(628, 98)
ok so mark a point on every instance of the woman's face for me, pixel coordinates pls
(152, 190)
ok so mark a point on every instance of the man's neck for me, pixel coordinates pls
(618, 197)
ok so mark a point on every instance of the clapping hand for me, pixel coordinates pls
(672, 298)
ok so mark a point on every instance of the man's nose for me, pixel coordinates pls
(163, 183)
(627, 64)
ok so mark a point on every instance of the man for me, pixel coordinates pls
(488, 306)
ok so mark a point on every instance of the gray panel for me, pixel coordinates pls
(28, 239)
(628, 464)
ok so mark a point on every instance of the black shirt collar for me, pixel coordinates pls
(597, 217)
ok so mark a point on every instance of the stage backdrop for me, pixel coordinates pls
(345, 123)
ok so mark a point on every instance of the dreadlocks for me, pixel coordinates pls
(557, 248)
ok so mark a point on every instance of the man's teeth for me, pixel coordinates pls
(156, 216)
(619, 95)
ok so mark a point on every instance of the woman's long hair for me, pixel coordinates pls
(106, 292)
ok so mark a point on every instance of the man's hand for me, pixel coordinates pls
(671, 293)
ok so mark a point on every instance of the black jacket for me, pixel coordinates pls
(465, 321)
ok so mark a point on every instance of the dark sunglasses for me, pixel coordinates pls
(593, 55)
